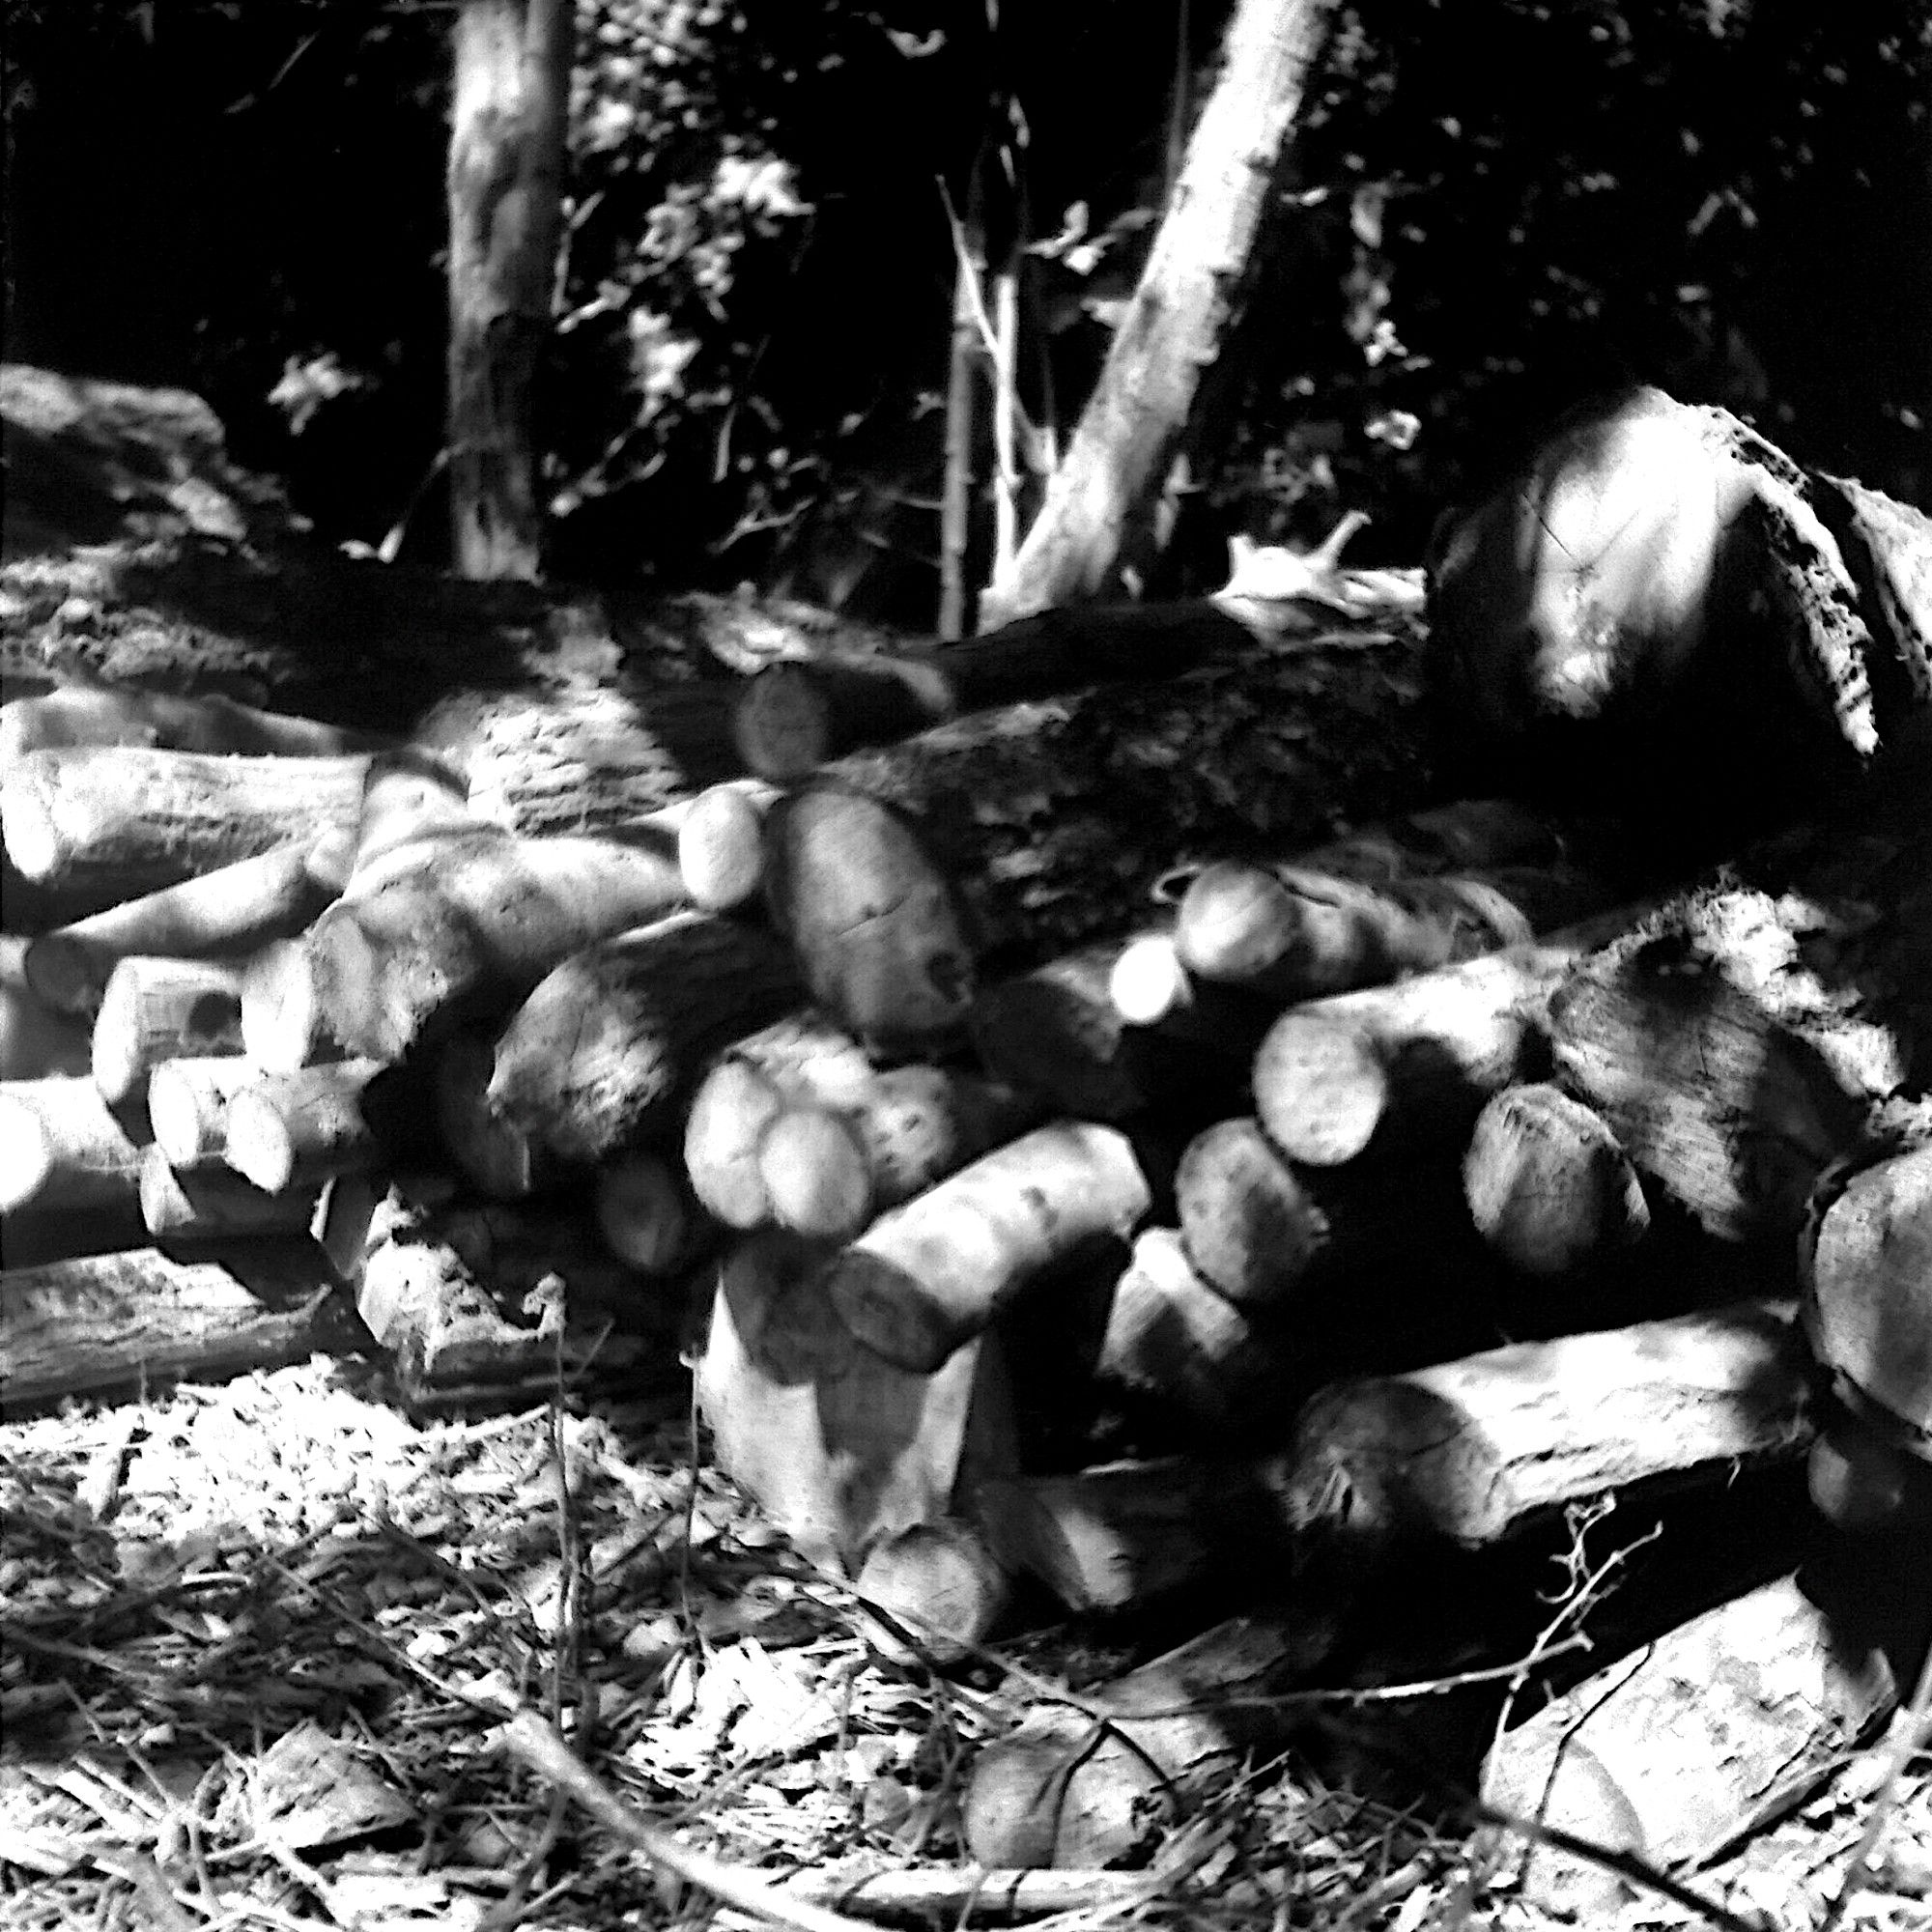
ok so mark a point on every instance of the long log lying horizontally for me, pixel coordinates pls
(152, 720)
(62, 1150)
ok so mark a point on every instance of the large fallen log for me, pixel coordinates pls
(98, 824)
(1730, 1070)
(114, 1321)
(840, 1447)
(927, 1276)
(1476, 1449)
(156, 720)
(597, 1056)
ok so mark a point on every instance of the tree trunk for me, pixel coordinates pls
(1144, 410)
(510, 93)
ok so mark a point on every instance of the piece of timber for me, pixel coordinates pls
(607, 1045)
(153, 719)
(35, 1039)
(62, 1150)
(225, 913)
(98, 824)
(299, 1130)
(211, 1205)
(839, 1447)
(1088, 1787)
(941, 1584)
(1730, 1070)
(1706, 1735)
(931, 1273)
(720, 849)
(492, 1156)
(647, 1216)
(1476, 1449)
(157, 1010)
(1410, 1065)
(140, 1318)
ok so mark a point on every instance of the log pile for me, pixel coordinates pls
(1407, 1174)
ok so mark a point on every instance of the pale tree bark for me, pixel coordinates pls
(1139, 417)
(511, 88)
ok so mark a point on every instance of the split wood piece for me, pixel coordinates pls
(1410, 1064)
(106, 823)
(188, 1106)
(1293, 933)
(1057, 1031)
(928, 1275)
(495, 1156)
(476, 919)
(648, 1217)
(296, 1129)
(1120, 1535)
(153, 719)
(35, 1039)
(157, 1010)
(213, 1205)
(941, 1583)
(602, 1052)
(1730, 1071)
(880, 934)
(793, 717)
(1476, 1449)
(1698, 1740)
(720, 845)
(1548, 1187)
(830, 1166)
(62, 1151)
(839, 1447)
(1072, 1789)
(113, 1320)
(228, 912)
(1866, 1269)
(1170, 1336)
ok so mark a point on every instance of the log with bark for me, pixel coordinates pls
(157, 1010)
(940, 1585)
(1474, 1450)
(209, 1207)
(35, 1041)
(152, 720)
(720, 845)
(604, 1050)
(927, 1276)
(1726, 1056)
(62, 1150)
(294, 1131)
(113, 1320)
(228, 912)
(839, 1447)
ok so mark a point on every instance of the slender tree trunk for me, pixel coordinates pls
(510, 93)
(1136, 422)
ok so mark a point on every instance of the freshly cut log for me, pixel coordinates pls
(720, 845)
(157, 1010)
(939, 1582)
(188, 1106)
(228, 912)
(35, 1039)
(1296, 932)
(100, 824)
(1147, 980)
(1410, 1064)
(599, 1055)
(648, 1217)
(1059, 1032)
(1700, 1739)
(298, 1129)
(1170, 1336)
(495, 1157)
(1118, 1535)
(815, 1172)
(153, 719)
(214, 1205)
(1548, 1186)
(881, 937)
(140, 1317)
(476, 919)
(1475, 1449)
(1069, 1789)
(1729, 1070)
(1865, 1271)
(930, 1274)
(62, 1151)
(732, 1106)
(839, 1447)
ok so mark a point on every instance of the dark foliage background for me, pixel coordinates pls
(1499, 206)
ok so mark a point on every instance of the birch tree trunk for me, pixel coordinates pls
(1138, 418)
(511, 87)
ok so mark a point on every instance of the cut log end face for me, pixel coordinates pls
(719, 850)
(781, 726)
(733, 1105)
(642, 1214)
(816, 1174)
(1321, 1088)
